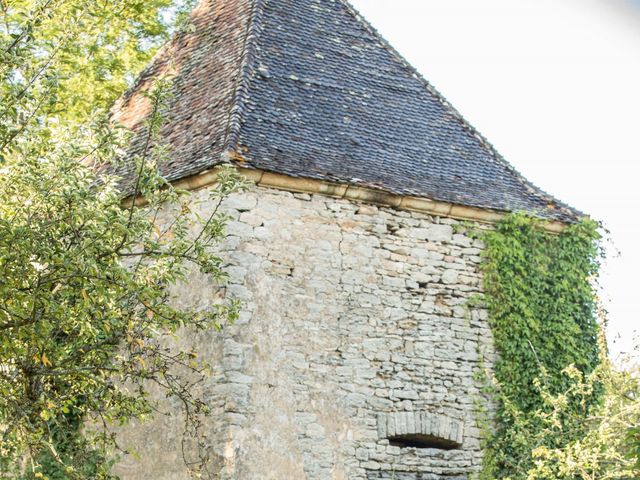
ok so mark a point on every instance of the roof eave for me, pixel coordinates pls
(278, 181)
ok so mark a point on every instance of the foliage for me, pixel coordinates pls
(85, 281)
(84, 299)
(562, 443)
(84, 296)
(542, 305)
(61, 59)
(607, 447)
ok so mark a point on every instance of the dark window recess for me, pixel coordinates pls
(422, 441)
(398, 475)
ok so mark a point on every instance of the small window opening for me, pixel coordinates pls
(422, 441)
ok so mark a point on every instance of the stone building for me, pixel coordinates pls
(355, 353)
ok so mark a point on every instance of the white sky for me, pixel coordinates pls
(555, 86)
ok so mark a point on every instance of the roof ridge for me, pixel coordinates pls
(495, 154)
(241, 93)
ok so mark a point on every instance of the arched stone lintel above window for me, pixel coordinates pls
(421, 429)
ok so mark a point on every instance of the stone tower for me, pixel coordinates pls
(355, 353)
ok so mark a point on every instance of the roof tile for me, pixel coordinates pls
(308, 88)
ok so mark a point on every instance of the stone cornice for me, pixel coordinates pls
(278, 181)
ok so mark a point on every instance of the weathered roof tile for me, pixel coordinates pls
(307, 88)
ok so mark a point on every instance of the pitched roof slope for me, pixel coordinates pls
(307, 88)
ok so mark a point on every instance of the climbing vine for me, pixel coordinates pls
(539, 290)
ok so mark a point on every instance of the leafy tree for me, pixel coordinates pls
(61, 59)
(567, 445)
(84, 299)
(85, 279)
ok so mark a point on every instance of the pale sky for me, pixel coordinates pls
(555, 86)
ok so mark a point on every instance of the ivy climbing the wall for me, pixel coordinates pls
(539, 290)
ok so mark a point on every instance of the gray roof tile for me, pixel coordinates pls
(308, 88)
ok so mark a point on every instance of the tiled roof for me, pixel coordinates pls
(308, 88)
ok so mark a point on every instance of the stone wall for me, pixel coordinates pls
(356, 327)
